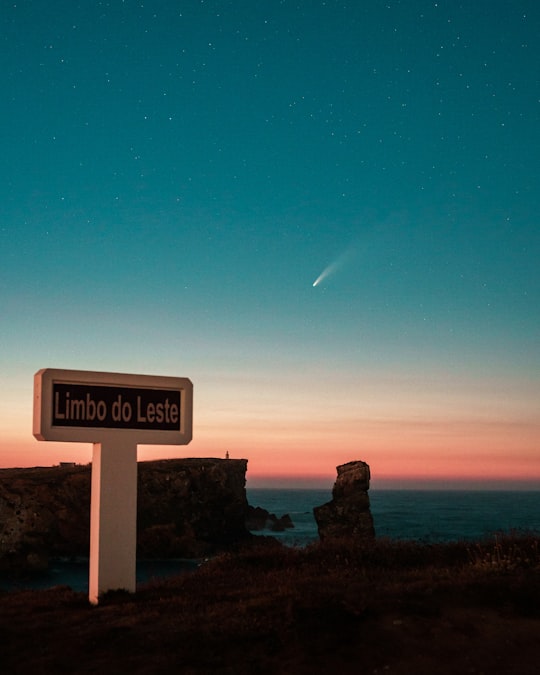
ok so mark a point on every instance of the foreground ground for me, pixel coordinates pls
(387, 608)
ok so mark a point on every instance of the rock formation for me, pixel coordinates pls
(185, 508)
(261, 519)
(348, 514)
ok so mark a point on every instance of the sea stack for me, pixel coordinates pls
(348, 514)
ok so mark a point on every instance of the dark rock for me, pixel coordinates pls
(185, 508)
(348, 514)
(256, 518)
(203, 500)
(260, 519)
(281, 524)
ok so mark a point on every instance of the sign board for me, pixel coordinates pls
(115, 412)
(81, 406)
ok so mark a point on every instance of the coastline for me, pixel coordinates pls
(422, 516)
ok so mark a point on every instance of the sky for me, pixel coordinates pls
(324, 213)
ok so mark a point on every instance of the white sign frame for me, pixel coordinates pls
(113, 506)
(45, 430)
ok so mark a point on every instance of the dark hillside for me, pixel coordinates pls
(384, 608)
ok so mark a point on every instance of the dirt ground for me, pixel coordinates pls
(300, 612)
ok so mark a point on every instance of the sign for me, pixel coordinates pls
(115, 412)
(79, 405)
(71, 405)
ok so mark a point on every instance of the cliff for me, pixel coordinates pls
(185, 508)
(348, 515)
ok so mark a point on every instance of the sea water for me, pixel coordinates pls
(453, 515)
(74, 573)
(298, 504)
(421, 515)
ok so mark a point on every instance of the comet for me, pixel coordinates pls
(334, 266)
(322, 276)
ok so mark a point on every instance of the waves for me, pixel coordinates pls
(422, 515)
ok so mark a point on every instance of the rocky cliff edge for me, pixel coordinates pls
(186, 508)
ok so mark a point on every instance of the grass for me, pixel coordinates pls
(392, 607)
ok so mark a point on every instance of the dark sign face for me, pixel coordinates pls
(112, 407)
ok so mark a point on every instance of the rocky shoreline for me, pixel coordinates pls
(186, 508)
(349, 603)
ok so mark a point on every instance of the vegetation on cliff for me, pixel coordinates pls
(186, 508)
(396, 607)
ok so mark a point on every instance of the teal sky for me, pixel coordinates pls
(176, 176)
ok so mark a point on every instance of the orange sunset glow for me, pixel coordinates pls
(325, 218)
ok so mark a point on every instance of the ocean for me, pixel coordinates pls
(422, 515)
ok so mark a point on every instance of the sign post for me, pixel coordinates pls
(115, 412)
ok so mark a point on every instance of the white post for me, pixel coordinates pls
(115, 412)
(113, 517)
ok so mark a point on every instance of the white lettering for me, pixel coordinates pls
(77, 409)
(126, 412)
(101, 410)
(90, 408)
(117, 409)
(140, 417)
(157, 413)
(57, 414)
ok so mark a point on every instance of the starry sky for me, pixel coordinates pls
(324, 213)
